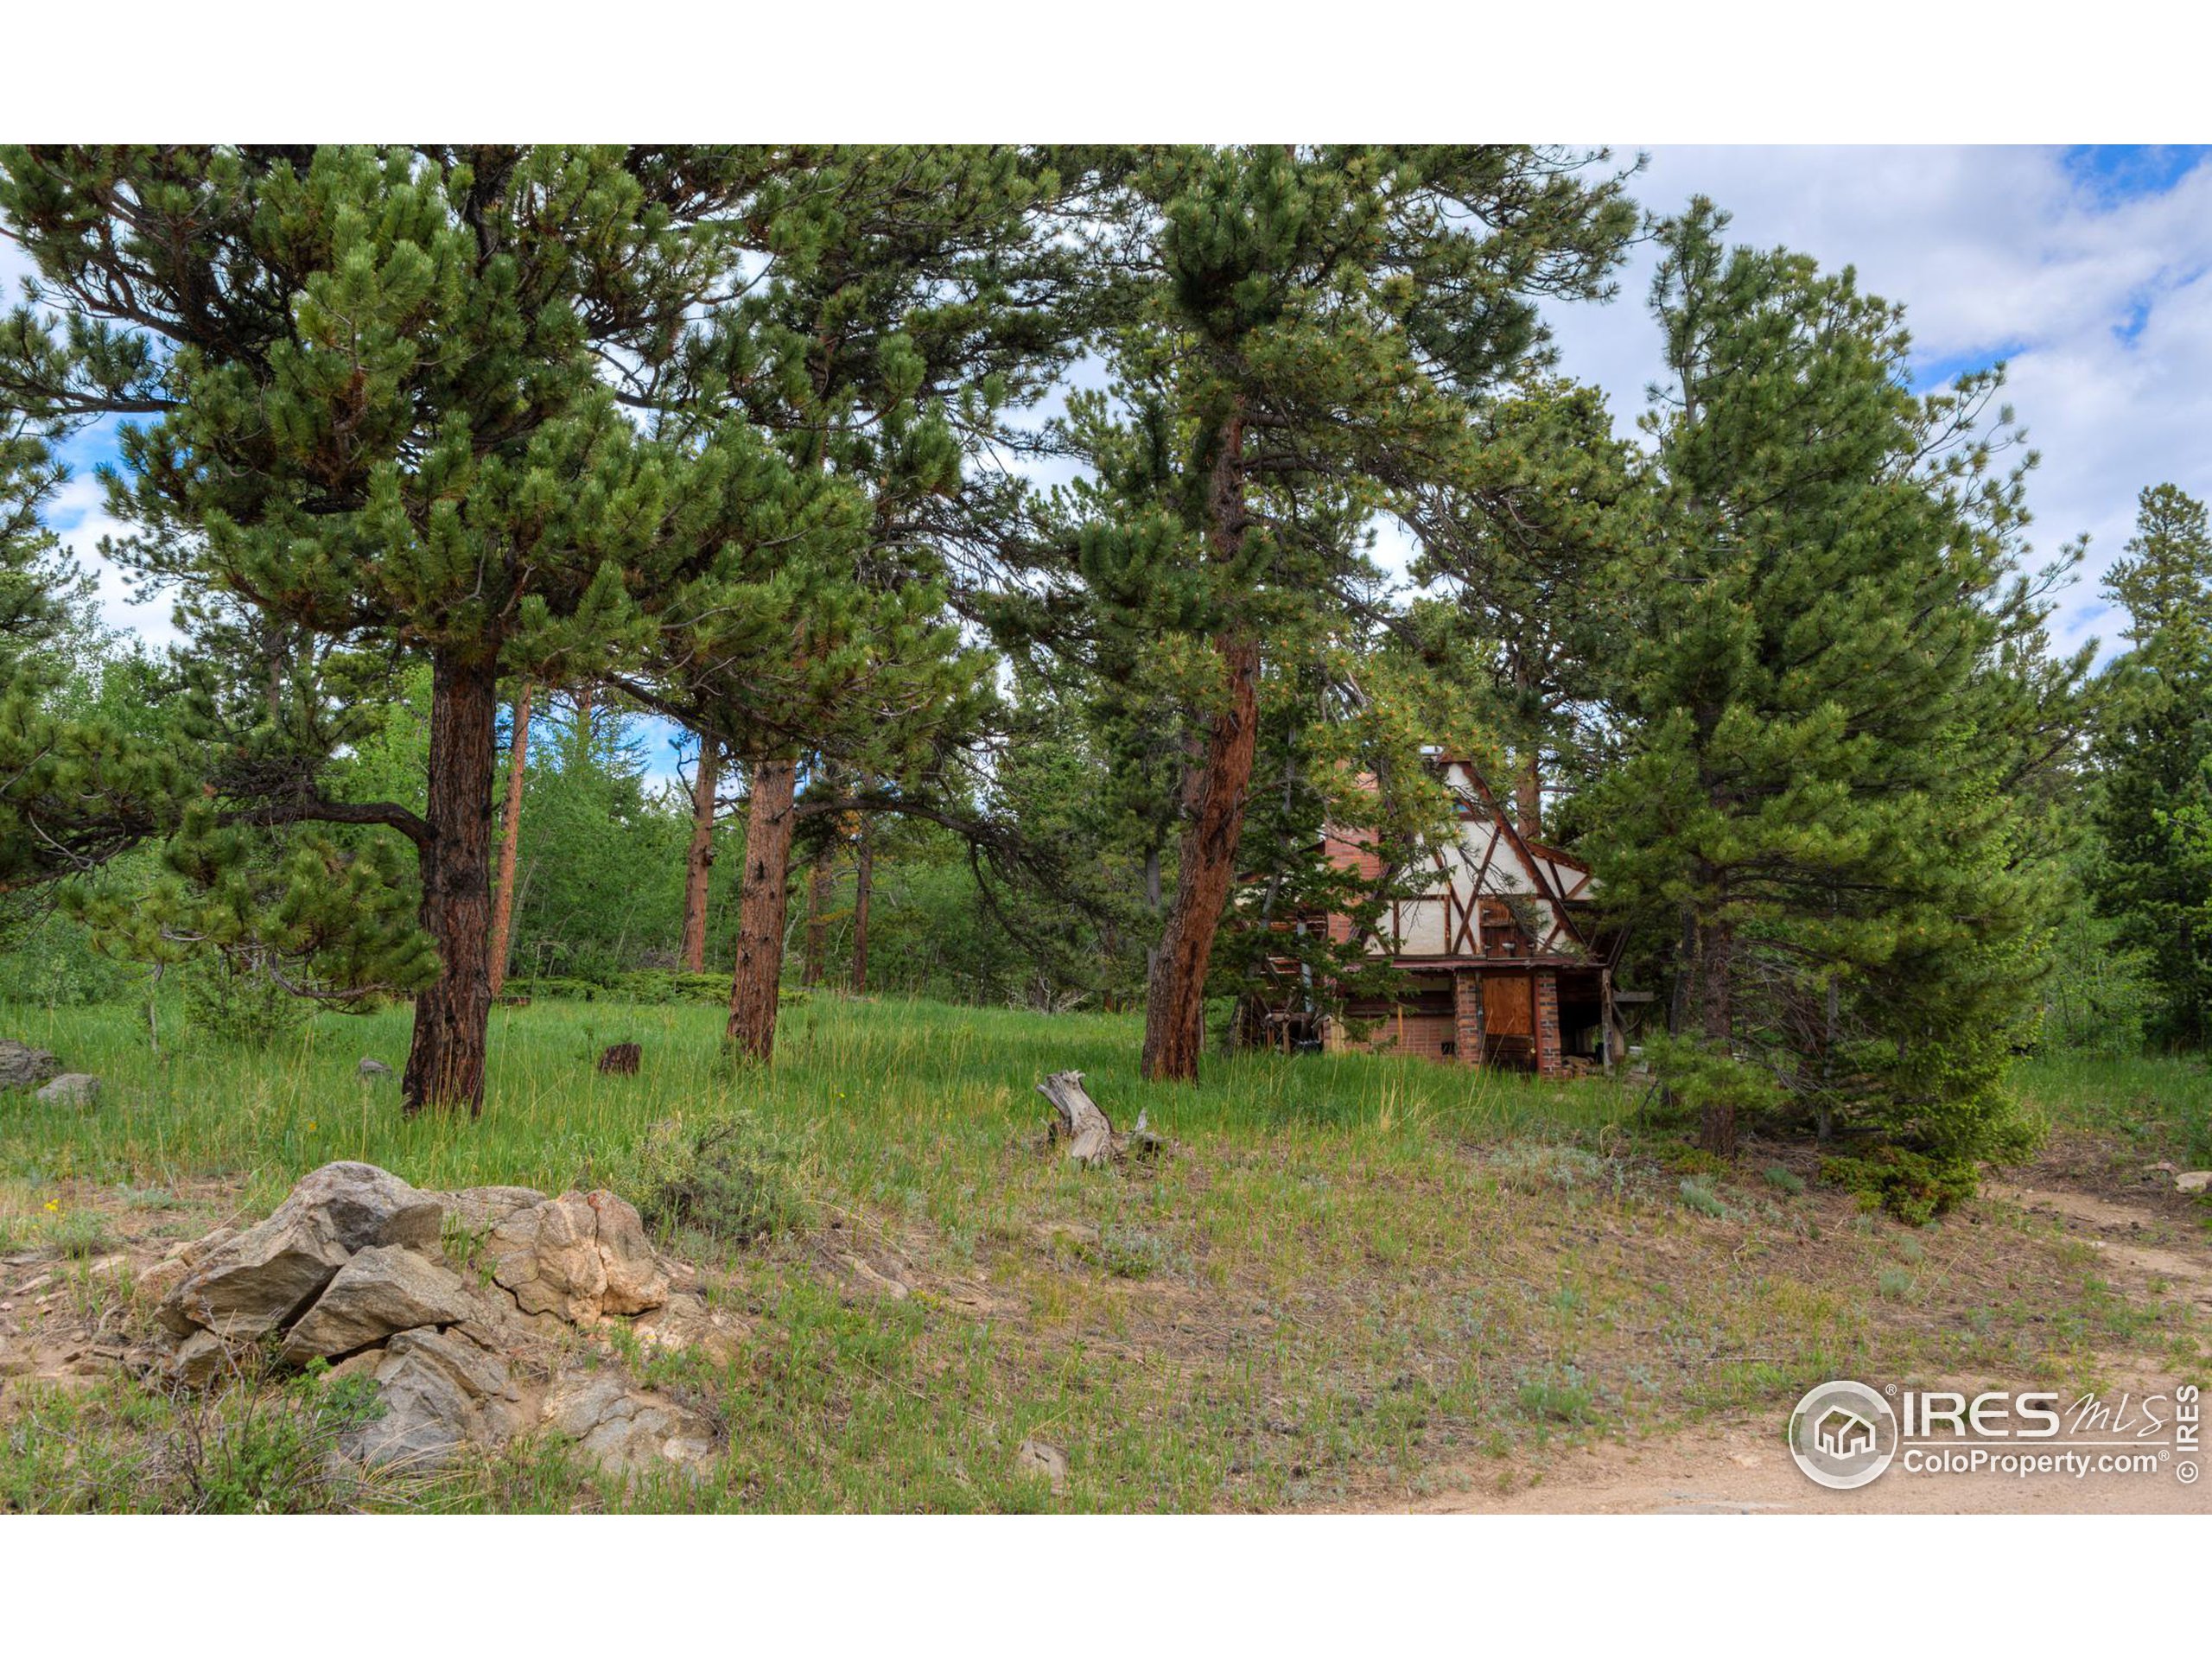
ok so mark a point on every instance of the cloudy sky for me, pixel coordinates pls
(2085, 269)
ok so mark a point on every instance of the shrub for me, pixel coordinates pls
(1702, 1199)
(727, 1179)
(1775, 1176)
(1562, 1399)
(1916, 1187)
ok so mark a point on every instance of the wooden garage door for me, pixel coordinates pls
(1508, 1008)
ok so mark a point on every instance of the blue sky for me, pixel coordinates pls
(2085, 269)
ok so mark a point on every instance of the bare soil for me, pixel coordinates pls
(2150, 1243)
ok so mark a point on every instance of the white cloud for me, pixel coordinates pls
(1994, 252)
(78, 515)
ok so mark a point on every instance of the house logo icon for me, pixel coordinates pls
(1843, 1435)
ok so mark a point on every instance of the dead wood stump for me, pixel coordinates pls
(1091, 1137)
(620, 1059)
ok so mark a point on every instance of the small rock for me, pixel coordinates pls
(200, 1359)
(2196, 1180)
(881, 1284)
(21, 1066)
(385, 1289)
(369, 1068)
(1041, 1458)
(163, 1277)
(72, 1089)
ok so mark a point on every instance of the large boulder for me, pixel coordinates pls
(266, 1277)
(383, 1290)
(440, 1392)
(22, 1066)
(577, 1257)
(72, 1089)
(367, 1206)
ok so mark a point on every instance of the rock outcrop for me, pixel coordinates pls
(353, 1267)
(22, 1066)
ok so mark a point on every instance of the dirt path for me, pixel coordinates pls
(1742, 1466)
(2128, 1234)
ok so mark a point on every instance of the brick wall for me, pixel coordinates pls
(1467, 1016)
(1548, 1049)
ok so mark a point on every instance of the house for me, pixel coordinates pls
(1509, 967)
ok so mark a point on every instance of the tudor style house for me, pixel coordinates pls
(1508, 966)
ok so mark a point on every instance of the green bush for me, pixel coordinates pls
(1916, 1187)
(728, 1178)
(1702, 1199)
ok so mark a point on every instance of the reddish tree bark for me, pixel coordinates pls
(1175, 990)
(1174, 1014)
(503, 908)
(445, 1063)
(763, 905)
(699, 862)
(864, 881)
(1529, 798)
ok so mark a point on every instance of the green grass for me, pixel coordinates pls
(2160, 1106)
(1353, 1275)
(901, 1100)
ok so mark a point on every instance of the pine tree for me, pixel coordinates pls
(380, 402)
(74, 790)
(1311, 328)
(911, 295)
(1823, 707)
(2154, 795)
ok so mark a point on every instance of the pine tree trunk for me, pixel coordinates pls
(818, 918)
(1716, 976)
(864, 885)
(1175, 991)
(503, 908)
(699, 862)
(763, 904)
(1529, 798)
(1174, 1014)
(445, 1065)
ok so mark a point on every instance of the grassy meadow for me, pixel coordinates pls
(1352, 1279)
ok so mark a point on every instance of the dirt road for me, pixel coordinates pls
(1742, 1466)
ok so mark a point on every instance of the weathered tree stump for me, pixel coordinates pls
(1091, 1137)
(620, 1059)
